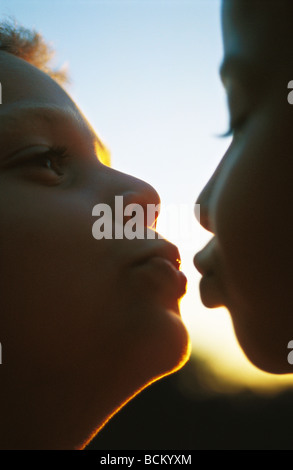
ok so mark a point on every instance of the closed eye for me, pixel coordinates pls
(234, 128)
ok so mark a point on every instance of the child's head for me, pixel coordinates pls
(247, 204)
(84, 323)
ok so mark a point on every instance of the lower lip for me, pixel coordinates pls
(165, 267)
(210, 291)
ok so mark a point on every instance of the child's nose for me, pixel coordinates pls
(147, 197)
(137, 192)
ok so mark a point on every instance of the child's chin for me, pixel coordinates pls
(171, 349)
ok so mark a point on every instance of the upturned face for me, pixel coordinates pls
(247, 204)
(89, 320)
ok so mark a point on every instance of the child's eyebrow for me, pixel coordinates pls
(26, 115)
(15, 113)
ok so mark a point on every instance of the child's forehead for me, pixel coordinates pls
(31, 99)
(22, 81)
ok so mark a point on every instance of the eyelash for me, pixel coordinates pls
(57, 152)
(234, 127)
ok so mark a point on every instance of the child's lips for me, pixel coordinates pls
(162, 262)
(165, 267)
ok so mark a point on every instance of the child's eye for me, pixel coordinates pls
(52, 159)
(47, 165)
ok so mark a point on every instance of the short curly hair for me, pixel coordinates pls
(29, 45)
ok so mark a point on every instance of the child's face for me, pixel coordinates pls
(247, 204)
(85, 316)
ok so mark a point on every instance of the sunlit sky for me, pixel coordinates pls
(145, 74)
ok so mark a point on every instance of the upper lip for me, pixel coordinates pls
(165, 250)
(203, 260)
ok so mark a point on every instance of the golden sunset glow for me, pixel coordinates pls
(103, 153)
(184, 359)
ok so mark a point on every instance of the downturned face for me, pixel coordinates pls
(247, 204)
